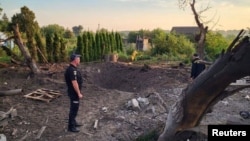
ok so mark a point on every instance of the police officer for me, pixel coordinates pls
(198, 66)
(74, 82)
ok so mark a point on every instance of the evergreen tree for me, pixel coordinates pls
(80, 46)
(98, 46)
(27, 24)
(89, 46)
(49, 47)
(42, 53)
(4, 23)
(118, 42)
(63, 53)
(56, 46)
(85, 45)
(112, 42)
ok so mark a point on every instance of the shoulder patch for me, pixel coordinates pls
(74, 72)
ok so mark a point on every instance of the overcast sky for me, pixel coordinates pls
(121, 15)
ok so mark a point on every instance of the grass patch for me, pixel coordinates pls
(4, 59)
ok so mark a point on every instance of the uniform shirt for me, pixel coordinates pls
(197, 67)
(72, 73)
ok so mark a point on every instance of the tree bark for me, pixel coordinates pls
(207, 89)
(203, 31)
(30, 62)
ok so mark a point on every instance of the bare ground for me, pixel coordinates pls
(107, 89)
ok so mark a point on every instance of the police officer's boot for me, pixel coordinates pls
(73, 129)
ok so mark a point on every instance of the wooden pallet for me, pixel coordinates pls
(43, 94)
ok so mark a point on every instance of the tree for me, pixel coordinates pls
(80, 47)
(85, 46)
(208, 88)
(52, 29)
(118, 42)
(29, 60)
(4, 23)
(203, 28)
(42, 55)
(56, 48)
(98, 45)
(68, 34)
(77, 30)
(63, 54)
(49, 47)
(215, 42)
(177, 46)
(132, 36)
(28, 25)
(159, 42)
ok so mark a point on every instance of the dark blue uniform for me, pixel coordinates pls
(197, 67)
(72, 73)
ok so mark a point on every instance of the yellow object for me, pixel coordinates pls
(134, 55)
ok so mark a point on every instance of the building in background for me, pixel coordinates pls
(192, 32)
(142, 44)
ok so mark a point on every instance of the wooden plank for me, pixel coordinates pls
(43, 94)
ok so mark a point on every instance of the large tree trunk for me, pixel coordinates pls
(30, 62)
(207, 89)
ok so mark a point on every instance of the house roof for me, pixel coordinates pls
(185, 29)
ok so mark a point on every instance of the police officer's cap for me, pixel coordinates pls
(74, 56)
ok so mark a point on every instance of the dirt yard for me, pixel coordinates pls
(108, 90)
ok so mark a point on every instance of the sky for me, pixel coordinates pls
(121, 15)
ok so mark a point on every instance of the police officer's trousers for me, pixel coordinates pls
(74, 106)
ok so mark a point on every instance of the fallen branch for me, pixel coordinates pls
(4, 116)
(11, 113)
(40, 132)
(25, 136)
(11, 92)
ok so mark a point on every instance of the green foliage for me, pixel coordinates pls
(4, 23)
(28, 25)
(49, 47)
(40, 43)
(143, 57)
(98, 46)
(68, 34)
(118, 40)
(52, 29)
(129, 50)
(63, 53)
(132, 36)
(214, 44)
(80, 47)
(77, 30)
(172, 46)
(56, 47)
(123, 57)
(93, 46)
(86, 46)
(159, 42)
(5, 59)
